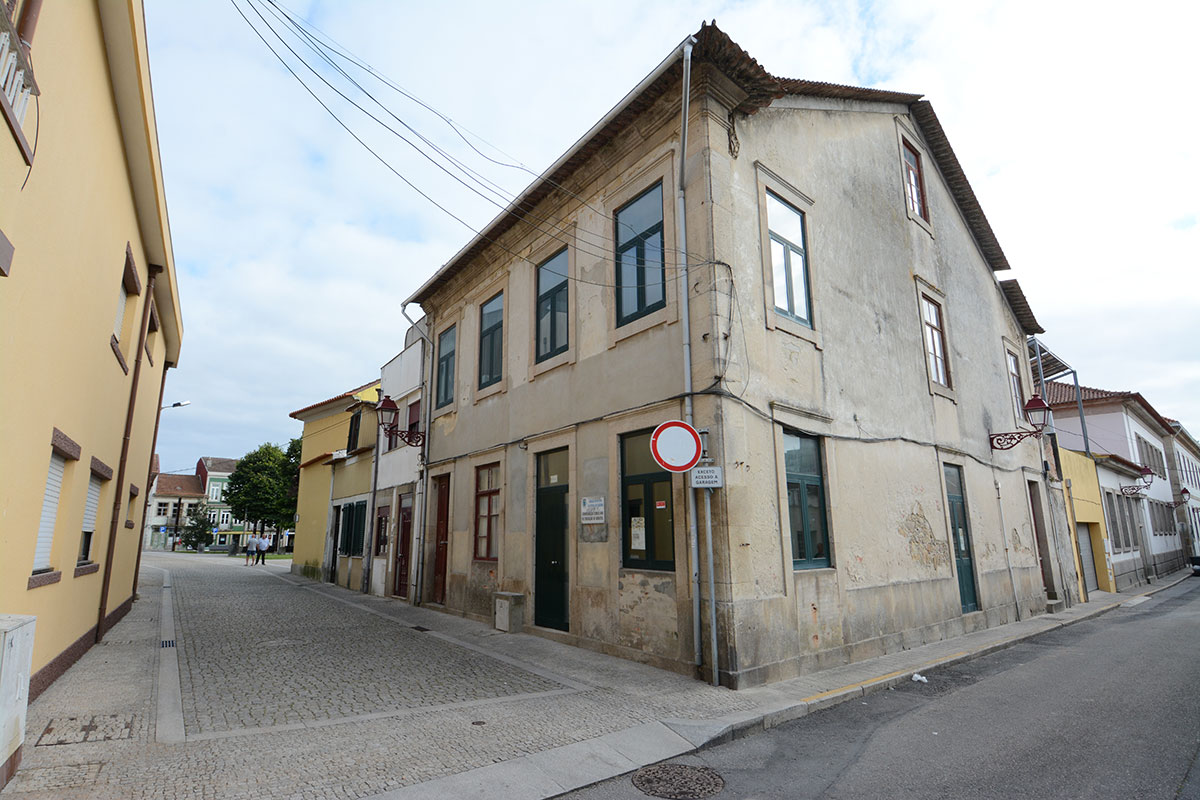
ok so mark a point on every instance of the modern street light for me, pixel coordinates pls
(1037, 412)
(180, 404)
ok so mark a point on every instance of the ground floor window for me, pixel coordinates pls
(487, 511)
(806, 500)
(647, 521)
(353, 527)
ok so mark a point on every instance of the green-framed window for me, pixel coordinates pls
(491, 341)
(807, 516)
(445, 367)
(641, 274)
(552, 335)
(647, 521)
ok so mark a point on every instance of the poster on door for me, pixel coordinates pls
(637, 533)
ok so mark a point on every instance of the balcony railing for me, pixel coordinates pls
(16, 81)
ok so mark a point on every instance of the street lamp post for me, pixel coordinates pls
(1037, 413)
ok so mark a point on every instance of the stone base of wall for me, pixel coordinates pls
(48, 674)
(1166, 563)
(9, 767)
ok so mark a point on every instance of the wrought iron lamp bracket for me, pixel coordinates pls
(1007, 441)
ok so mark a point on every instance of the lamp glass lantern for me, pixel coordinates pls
(1037, 412)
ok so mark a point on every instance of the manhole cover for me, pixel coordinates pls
(678, 781)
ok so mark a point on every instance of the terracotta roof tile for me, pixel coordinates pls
(179, 486)
(342, 396)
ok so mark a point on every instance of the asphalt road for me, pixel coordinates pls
(1108, 708)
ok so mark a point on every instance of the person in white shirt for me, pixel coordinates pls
(251, 548)
(264, 544)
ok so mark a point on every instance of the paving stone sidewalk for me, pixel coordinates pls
(285, 688)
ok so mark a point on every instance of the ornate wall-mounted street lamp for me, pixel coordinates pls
(1037, 412)
(1135, 489)
(388, 414)
(1186, 495)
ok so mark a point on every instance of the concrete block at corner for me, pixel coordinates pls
(575, 765)
(648, 743)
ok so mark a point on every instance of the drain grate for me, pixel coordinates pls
(678, 781)
(168, 643)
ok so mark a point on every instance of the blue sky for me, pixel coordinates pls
(295, 246)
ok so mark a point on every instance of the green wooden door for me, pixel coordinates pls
(961, 534)
(550, 576)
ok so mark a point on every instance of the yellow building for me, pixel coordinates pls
(1085, 513)
(336, 461)
(89, 318)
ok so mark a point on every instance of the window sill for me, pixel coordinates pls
(809, 569)
(44, 578)
(86, 569)
(797, 329)
(565, 357)
(632, 328)
(636, 568)
(921, 221)
(491, 389)
(938, 389)
(116, 348)
(449, 408)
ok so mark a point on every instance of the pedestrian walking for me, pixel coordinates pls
(263, 545)
(251, 548)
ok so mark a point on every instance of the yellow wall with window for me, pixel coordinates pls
(1085, 506)
(85, 218)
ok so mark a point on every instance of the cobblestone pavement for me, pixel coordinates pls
(292, 689)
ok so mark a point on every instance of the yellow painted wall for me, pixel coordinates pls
(1085, 506)
(69, 227)
(323, 433)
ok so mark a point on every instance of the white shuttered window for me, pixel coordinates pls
(93, 504)
(41, 556)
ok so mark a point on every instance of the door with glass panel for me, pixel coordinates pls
(551, 590)
(961, 533)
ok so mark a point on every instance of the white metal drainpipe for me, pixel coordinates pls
(685, 305)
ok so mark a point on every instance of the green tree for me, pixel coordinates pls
(291, 482)
(197, 533)
(257, 490)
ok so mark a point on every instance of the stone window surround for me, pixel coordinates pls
(770, 180)
(661, 169)
(435, 356)
(618, 426)
(925, 288)
(907, 139)
(133, 286)
(538, 256)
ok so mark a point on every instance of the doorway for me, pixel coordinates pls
(441, 537)
(1083, 532)
(960, 532)
(550, 588)
(403, 547)
(1043, 546)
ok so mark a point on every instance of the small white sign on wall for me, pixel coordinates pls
(637, 533)
(591, 511)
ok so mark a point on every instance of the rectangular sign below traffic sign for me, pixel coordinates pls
(707, 477)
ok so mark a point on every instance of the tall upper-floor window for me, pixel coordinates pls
(785, 226)
(491, 341)
(487, 512)
(552, 337)
(355, 426)
(445, 368)
(641, 274)
(914, 182)
(935, 340)
(1014, 384)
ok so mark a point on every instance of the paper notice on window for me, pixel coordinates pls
(637, 533)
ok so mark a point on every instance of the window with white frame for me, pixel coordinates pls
(1014, 384)
(934, 326)
(50, 497)
(789, 269)
(90, 508)
(914, 182)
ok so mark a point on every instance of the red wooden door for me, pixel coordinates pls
(442, 538)
(403, 546)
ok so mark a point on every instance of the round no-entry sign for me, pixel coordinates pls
(675, 445)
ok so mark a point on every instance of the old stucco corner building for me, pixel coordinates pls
(851, 350)
(89, 319)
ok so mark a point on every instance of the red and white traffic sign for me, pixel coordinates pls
(675, 445)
